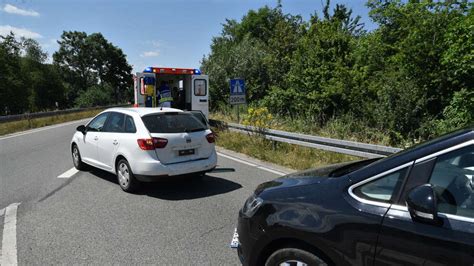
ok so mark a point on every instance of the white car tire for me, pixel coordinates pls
(76, 158)
(125, 177)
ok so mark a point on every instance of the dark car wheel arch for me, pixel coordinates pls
(281, 243)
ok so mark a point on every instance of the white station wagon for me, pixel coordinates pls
(144, 144)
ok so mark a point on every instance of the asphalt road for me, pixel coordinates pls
(88, 219)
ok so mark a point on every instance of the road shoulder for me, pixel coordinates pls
(255, 161)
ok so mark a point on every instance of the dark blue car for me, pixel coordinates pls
(413, 208)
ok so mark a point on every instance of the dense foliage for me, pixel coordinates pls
(412, 77)
(26, 82)
(90, 62)
(87, 70)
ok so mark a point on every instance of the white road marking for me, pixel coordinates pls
(251, 164)
(13, 135)
(69, 173)
(8, 254)
(271, 170)
(237, 160)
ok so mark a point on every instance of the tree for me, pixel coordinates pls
(74, 60)
(319, 83)
(258, 48)
(42, 80)
(90, 60)
(27, 84)
(13, 94)
(242, 60)
(458, 57)
(415, 45)
(402, 78)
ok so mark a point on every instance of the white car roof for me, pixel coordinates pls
(142, 111)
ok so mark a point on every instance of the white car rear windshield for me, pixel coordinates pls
(172, 123)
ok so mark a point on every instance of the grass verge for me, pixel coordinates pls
(21, 125)
(288, 155)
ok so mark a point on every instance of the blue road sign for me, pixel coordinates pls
(237, 87)
(237, 91)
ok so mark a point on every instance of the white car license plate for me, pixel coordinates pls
(186, 152)
(235, 240)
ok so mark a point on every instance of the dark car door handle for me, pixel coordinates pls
(202, 100)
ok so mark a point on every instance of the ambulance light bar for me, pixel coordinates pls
(176, 71)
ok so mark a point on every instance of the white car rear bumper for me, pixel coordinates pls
(146, 170)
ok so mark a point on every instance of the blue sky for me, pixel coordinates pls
(151, 33)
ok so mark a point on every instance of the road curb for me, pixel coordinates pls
(253, 160)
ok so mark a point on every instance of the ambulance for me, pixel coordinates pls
(189, 88)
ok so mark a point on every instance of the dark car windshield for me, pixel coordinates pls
(172, 123)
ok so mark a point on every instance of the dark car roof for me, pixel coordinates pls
(415, 152)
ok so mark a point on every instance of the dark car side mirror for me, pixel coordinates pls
(422, 204)
(81, 129)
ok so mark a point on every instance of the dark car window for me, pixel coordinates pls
(98, 123)
(129, 125)
(115, 123)
(382, 189)
(452, 179)
(172, 123)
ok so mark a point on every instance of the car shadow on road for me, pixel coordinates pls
(179, 187)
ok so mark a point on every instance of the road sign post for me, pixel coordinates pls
(237, 94)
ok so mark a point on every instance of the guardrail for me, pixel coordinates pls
(9, 118)
(322, 143)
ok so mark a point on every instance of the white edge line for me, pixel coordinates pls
(69, 173)
(9, 247)
(271, 170)
(42, 129)
(251, 164)
(237, 160)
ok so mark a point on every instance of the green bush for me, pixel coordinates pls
(403, 82)
(458, 114)
(95, 96)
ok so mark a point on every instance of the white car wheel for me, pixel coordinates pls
(125, 176)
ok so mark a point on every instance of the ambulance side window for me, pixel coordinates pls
(200, 87)
(141, 84)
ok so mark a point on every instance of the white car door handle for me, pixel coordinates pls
(115, 142)
(96, 138)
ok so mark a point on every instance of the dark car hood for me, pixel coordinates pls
(312, 176)
(284, 182)
(325, 171)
